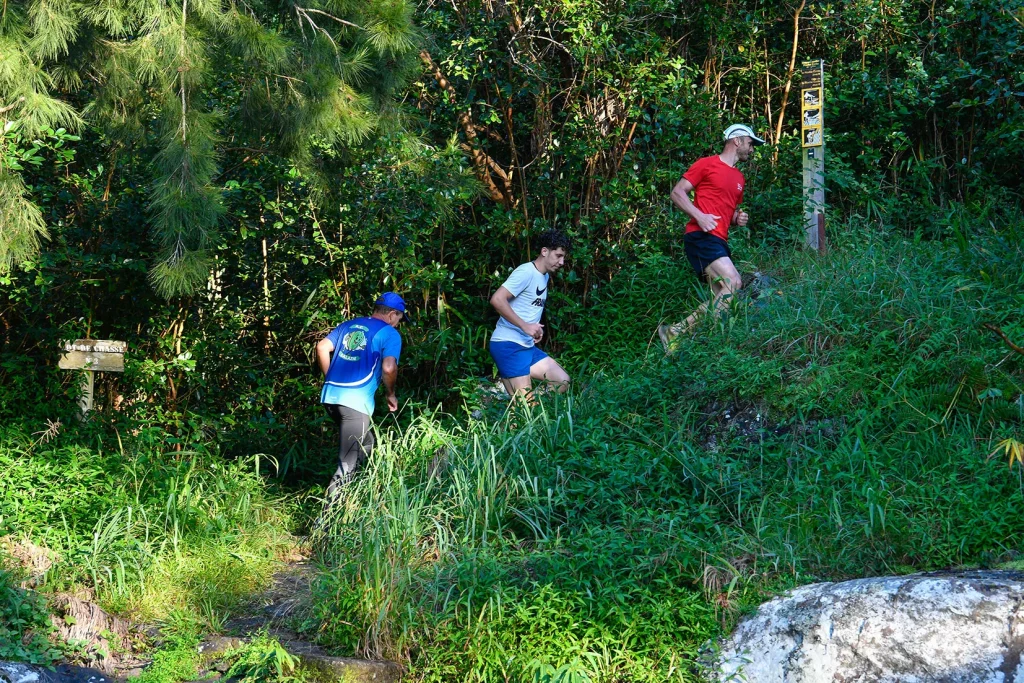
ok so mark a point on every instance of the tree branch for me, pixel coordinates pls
(483, 164)
(792, 68)
(305, 10)
(1002, 335)
(4, 110)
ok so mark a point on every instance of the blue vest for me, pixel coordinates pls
(354, 367)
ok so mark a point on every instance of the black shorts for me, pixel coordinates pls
(703, 249)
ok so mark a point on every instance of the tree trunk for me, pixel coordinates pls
(483, 165)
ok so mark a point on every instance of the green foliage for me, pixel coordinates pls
(286, 202)
(21, 225)
(150, 531)
(837, 425)
(299, 82)
(25, 626)
(264, 659)
(178, 658)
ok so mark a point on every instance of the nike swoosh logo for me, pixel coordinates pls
(541, 291)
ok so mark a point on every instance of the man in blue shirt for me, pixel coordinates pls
(520, 305)
(354, 357)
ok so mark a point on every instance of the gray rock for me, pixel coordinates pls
(13, 672)
(215, 647)
(924, 628)
(325, 669)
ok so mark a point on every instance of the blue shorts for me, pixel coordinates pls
(514, 360)
(703, 249)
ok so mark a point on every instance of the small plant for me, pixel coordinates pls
(26, 634)
(1011, 448)
(265, 659)
(178, 657)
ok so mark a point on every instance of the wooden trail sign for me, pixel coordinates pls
(92, 355)
(812, 136)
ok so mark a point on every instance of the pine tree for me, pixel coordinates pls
(27, 110)
(311, 77)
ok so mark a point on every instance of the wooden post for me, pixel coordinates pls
(88, 385)
(92, 355)
(812, 128)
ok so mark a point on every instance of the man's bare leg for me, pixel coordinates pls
(547, 370)
(725, 283)
(517, 386)
(551, 372)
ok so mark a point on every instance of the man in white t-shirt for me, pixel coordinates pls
(520, 303)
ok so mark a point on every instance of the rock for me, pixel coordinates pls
(12, 672)
(923, 628)
(215, 647)
(325, 669)
(317, 666)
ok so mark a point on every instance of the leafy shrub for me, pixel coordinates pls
(25, 628)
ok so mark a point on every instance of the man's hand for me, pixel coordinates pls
(707, 221)
(741, 218)
(535, 330)
(392, 402)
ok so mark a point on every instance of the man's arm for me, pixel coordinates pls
(500, 300)
(324, 349)
(389, 373)
(681, 198)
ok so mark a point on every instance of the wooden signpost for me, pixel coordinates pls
(812, 134)
(92, 355)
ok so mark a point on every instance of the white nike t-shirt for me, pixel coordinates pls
(530, 291)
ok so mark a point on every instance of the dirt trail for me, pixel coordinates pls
(275, 611)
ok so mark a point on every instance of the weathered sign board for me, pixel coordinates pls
(812, 136)
(92, 355)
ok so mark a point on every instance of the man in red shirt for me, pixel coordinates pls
(718, 191)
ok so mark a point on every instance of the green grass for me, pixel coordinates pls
(610, 534)
(839, 425)
(149, 533)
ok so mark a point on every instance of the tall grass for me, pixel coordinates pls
(837, 426)
(147, 532)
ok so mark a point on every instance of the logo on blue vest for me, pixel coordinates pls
(353, 342)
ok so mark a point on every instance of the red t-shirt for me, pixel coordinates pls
(718, 190)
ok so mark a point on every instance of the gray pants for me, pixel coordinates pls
(355, 443)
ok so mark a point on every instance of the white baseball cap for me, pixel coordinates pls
(738, 130)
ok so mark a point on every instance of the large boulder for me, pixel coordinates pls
(923, 628)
